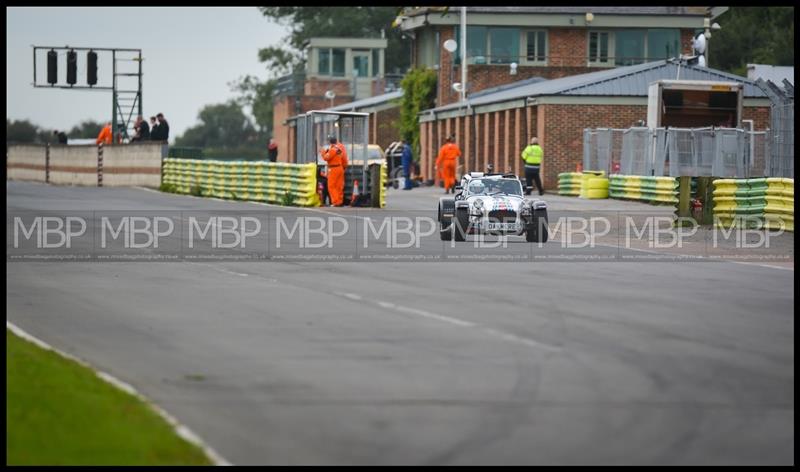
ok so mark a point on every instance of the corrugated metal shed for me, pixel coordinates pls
(630, 81)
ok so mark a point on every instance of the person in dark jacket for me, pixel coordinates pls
(406, 160)
(272, 150)
(142, 130)
(163, 129)
(62, 138)
(153, 129)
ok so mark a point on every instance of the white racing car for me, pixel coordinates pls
(492, 204)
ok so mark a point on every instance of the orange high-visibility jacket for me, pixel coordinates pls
(448, 153)
(335, 155)
(104, 136)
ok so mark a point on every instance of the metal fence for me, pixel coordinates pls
(718, 152)
(780, 162)
(351, 129)
(782, 157)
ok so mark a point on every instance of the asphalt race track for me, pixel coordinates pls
(387, 362)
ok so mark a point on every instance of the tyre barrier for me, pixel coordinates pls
(643, 188)
(268, 182)
(569, 183)
(762, 202)
(594, 185)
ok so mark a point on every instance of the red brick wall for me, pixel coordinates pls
(567, 47)
(387, 126)
(562, 140)
(759, 115)
(314, 86)
(282, 108)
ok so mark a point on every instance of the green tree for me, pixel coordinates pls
(257, 96)
(357, 22)
(21, 131)
(222, 125)
(85, 130)
(761, 35)
(419, 93)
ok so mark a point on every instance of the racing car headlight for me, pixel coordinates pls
(478, 204)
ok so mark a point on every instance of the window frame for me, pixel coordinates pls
(610, 59)
(319, 62)
(524, 47)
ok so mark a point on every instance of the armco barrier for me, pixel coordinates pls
(86, 165)
(754, 202)
(644, 188)
(244, 180)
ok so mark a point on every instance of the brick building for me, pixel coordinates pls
(548, 42)
(493, 127)
(351, 68)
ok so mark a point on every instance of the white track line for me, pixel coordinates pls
(453, 321)
(180, 429)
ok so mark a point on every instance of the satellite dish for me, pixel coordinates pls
(330, 95)
(699, 44)
(457, 87)
(701, 61)
(450, 45)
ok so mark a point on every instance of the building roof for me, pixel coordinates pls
(774, 73)
(368, 102)
(572, 10)
(361, 105)
(630, 81)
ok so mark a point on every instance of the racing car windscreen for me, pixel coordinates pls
(495, 186)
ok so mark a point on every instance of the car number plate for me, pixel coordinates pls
(502, 226)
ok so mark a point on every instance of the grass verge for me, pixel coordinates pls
(60, 413)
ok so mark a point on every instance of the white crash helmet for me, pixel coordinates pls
(476, 187)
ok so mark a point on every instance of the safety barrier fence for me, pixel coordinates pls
(241, 180)
(643, 188)
(587, 184)
(674, 152)
(277, 183)
(763, 202)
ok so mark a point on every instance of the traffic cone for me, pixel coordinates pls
(355, 195)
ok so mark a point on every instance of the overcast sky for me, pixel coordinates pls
(190, 56)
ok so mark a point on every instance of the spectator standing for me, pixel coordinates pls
(163, 129)
(62, 138)
(142, 130)
(153, 128)
(272, 150)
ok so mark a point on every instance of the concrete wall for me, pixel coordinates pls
(73, 165)
(124, 165)
(133, 165)
(26, 162)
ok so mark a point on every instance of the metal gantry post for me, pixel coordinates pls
(113, 95)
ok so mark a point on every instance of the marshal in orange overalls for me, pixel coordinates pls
(105, 135)
(446, 163)
(336, 157)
